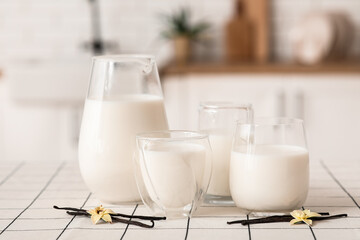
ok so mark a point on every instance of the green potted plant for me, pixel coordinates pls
(181, 31)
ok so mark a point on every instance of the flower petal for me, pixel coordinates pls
(292, 222)
(107, 218)
(293, 214)
(107, 211)
(100, 208)
(296, 213)
(307, 211)
(95, 218)
(313, 214)
(308, 222)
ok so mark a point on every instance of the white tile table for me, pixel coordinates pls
(29, 190)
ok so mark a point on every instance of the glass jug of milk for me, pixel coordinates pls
(124, 98)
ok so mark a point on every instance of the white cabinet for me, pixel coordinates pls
(36, 131)
(329, 104)
(40, 102)
(184, 93)
(331, 109)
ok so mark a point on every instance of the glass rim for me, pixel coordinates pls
(159, 135)
(224, 105)
(272, 121)
(123, 57)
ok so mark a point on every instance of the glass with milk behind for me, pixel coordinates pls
(269, 168)
(218, 119)
(124, 98)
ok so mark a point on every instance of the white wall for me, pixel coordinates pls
(43, 125)
(52, 28)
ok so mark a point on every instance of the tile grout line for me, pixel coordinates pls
(308, 206)
(338, 182)
(166, 229)
(32, 202)
(12, 173)
(249, 231)
(312, 231)
(187, 228)
(127, 226)
(67, 225)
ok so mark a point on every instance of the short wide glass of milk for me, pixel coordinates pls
(218, 119)
(269, 167)
(173, 171)
(124, 98)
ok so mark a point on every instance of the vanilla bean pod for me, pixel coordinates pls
(283, 218)
(136, 223)
(116, 219)
(271, 219)
(139, 217)
(70, 208)
(78, 213)
(329, 217)
(115, 214)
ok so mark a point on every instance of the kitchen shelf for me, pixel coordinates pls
(281, 68)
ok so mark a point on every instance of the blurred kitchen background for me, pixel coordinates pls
(295, 58)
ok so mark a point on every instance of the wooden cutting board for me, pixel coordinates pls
(239, 39)
(258, 13)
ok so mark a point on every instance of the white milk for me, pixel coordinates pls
(107, 143)
(221, 149)
(173, 173)
(275, 178)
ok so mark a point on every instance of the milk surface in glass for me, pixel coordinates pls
(107, 142)
(273, 178)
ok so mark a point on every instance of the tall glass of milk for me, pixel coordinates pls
(218, 119)
(124, 98)
(173, 171)
(269, 167)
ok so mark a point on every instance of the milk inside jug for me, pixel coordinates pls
(124, 98)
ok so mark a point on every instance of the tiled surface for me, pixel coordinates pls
(29, 190)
